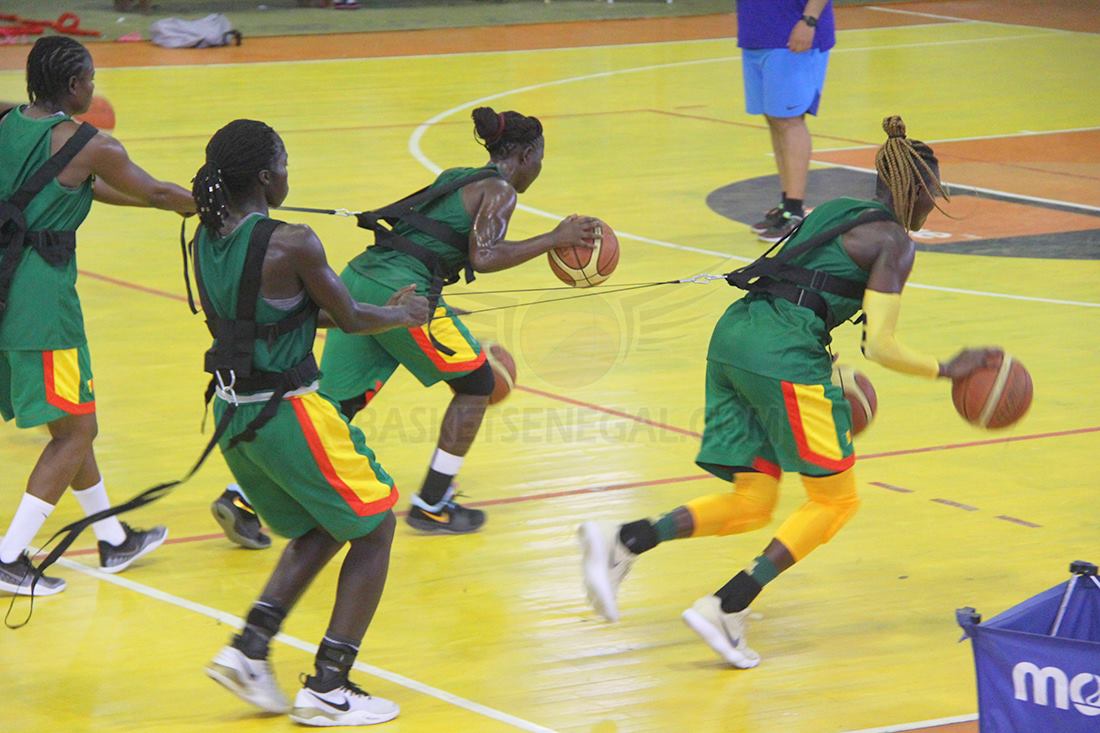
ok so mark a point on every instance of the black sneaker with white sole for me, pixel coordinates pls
(446, 517)
(16, 577)
(138, 543)
(239, 521)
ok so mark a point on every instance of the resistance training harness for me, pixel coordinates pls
(55, 247)
(776, 276)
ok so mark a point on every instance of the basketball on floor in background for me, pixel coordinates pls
(100, 114)
(860, 394)
(582, 267)
(993, 398)
(504, 371)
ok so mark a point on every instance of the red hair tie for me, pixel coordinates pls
(500, 130)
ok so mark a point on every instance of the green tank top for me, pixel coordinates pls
(397, 268)
(221, 264)
(776, 338)
(43, 311)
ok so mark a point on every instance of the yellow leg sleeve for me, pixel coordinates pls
(749, 507)
(832, 502)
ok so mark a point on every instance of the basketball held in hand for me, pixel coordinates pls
(581, 267)
(860, 394)
(993, 397)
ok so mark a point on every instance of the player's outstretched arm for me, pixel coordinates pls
(491, 252)
(301, 248)
(882, 306)
(128, 184)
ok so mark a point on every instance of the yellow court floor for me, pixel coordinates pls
(492, 632)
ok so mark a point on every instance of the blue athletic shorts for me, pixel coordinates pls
(780, 83)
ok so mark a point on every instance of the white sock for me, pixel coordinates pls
(446, 463)
(94, 499)
(28, 519)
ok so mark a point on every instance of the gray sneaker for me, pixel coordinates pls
(138, 543)
(16, 577)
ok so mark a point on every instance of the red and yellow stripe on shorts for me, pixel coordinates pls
(444, 330)
(62, 380)
(347, 470)
(810, 415)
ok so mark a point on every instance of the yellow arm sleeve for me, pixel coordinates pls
(880, 344)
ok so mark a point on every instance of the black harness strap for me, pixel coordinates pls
(802, 286)
(230, 358)
(407, 210)
(55, 247)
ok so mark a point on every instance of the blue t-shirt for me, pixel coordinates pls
(768, 23)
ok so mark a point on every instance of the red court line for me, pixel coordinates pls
(891, 487)
(1014, 520)
(609, 411)
(977, 443)
(956, 504)
(131, 286)
(952, 156)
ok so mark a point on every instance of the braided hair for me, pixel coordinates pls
(52, 62)
(503, 132)
(234, 157)
(905, 168)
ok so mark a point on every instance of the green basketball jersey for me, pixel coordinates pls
(398, 268)
(776, 338)
(43, 311)
(220, 263)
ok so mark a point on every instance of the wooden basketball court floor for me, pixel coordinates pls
(491, 632)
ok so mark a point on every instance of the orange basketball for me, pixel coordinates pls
(504, 371)
(860, 394)
(583, 268)
(101, 114)
(993, 398)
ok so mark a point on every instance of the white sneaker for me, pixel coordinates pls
(344, 705)
(723, 632)
(249, 679)
(606, 562)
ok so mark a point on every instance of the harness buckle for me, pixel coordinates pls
(227, 389)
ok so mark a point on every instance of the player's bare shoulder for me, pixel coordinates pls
(867, 242)
(295, 239)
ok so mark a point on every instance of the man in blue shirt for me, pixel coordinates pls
(785, 50)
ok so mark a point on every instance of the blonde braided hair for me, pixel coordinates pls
(906, 167)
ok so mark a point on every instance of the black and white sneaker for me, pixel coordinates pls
(446, 517)
(16, 577)
(346, 704)
(138, 543)
(772, 219)
(787, 224)
(239, 521)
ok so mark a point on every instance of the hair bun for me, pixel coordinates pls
(894, 126)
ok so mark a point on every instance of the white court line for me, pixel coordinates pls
(417, 152)
(957, 19)
(503, 52)
(1001, 136)
(919, 725)
(966, 187)
(237, 622)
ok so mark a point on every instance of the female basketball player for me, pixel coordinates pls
(770, 403)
